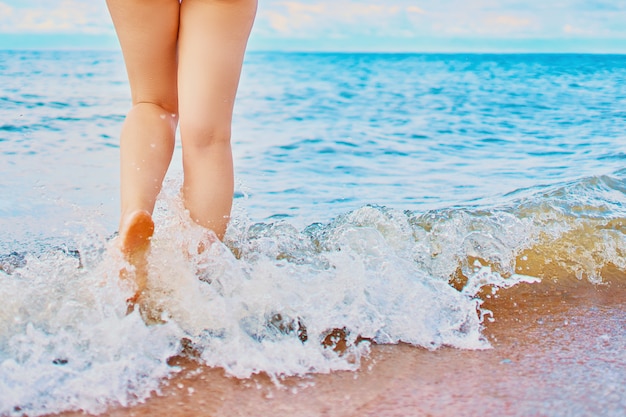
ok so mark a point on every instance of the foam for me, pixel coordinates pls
(272, 299)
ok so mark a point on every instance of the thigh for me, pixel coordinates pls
(148, 32)
(212, 40)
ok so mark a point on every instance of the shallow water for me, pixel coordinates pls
(561, 354)
(380, 199)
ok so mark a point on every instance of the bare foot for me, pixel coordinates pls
(134, 242)
(209, 239)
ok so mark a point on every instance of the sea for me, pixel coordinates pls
(380, 198)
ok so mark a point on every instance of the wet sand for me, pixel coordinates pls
(555, 352)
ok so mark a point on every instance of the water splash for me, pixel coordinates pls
(63, 328)
(277, 300)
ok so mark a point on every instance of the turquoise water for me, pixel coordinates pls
(366, 184)
(317, 135)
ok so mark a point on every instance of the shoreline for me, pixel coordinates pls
(561, 354)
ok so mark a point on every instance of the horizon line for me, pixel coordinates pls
(373, 45)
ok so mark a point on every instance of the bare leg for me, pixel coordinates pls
(212, 41)
(147, 30)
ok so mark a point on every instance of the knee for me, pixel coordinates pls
(155, 109)
(199, 135)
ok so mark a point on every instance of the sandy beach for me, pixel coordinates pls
(555, 353)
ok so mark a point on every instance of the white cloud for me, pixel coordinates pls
(510, 25)
(510, 21)
(415, 9)
(573, 30)
(529, 19)
(278, 22)
(362, 19)
(61, 16)
(5, 10)
(330, 18)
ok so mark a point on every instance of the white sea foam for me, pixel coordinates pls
(264, 302)
(271, 299)
(66, 342)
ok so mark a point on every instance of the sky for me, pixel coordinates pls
(597, 26)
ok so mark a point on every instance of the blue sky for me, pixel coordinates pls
(353, 25)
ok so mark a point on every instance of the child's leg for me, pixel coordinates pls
(212, 40)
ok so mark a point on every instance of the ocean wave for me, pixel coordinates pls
(284, 301)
